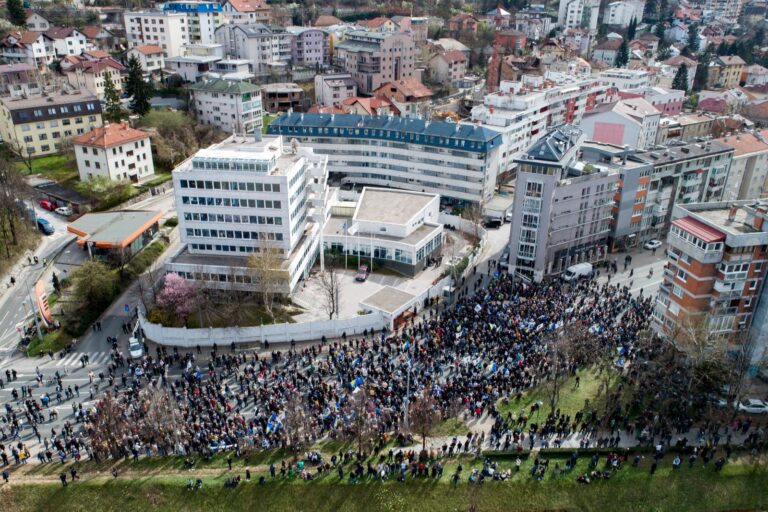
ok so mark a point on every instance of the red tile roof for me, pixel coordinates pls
(700, 230)
(327, 21)
(60, 32)
(454, 56)
(97, 54)
(373, 23)
(29, 37)
(110, 135)
(149, 49)
(90, 31)
(97, 66)
(248, 5)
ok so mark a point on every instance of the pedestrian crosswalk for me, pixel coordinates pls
(73, 359)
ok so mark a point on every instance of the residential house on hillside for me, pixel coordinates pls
(631, 122)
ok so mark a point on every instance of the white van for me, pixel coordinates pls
(578, 271)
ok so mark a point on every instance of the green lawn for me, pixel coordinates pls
(53, 340)
(61, 168)
(450, 427)
(572, 399)
(265, 120)
(737, 487)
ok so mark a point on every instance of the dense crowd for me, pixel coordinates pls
(498, 339)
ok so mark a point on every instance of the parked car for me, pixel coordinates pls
(652, 244)
(44, 226)
(492, 223)
(752, 406)
(135, 349)
(578, 271)
(45, 204)
(65, 211)
(362, 273)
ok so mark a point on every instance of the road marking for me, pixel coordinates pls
(6, 316)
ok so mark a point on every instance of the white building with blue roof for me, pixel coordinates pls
(460, 162)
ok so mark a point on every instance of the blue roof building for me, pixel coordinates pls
(458, 161)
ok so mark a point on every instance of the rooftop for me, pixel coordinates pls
(390, 206)
(224, 86)
(662, 155)
(391, 124)
(39, 100)
(114, 229)
(281, 87)
(148, 49)
(746, 143)
(110, 135)
(389, 300)
(553, 146)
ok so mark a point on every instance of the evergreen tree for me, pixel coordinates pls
(759, 36)
(701, 77)
(622, 57)
(659, 30)
(56, 283)
(137, 88)
(113, 111)
(722, 49)
(650, 11)
(632, 29)
(680, 82)
(135, 75)
(140, 102)
(16, 14)
(693, 38)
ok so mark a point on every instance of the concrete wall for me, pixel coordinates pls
(277, 333)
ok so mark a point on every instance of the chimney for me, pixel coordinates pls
(732, 212)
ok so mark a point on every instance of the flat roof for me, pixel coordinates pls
(113, 229)
(335, 226)
(737, 225)
(390, 206)
(388, 299)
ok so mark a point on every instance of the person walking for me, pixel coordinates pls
(63, 478)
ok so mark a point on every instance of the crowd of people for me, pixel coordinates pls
(495, 341)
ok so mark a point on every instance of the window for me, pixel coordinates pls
(677, 290)
(753, 284)
(681, 274)
(758, 267)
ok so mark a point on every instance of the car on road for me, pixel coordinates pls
(752, 406)
(652, 244)
(45, 204)
(135, 349)
(362, 273)
(44, 226)
(65, 211)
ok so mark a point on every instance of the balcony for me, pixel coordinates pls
(694, 251)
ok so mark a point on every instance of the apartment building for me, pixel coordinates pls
(622, 13)
(282, 97)
(374, 58)
(623, 79)
(524, 111)
(196, 61)
(716, 263)
(33, 48)
(459, 162)
(246, 11)
(151, 58)
(231, 106)
(562, 211)
(631, 122)
(667, 101)
(37, 125)
(334, 89)
(534, 22)
(309, 46)
(633, 215)
(267, 48)
(67, 41)
(202, 18)
(723, 9)
(19, 79)
(448, 67)
(116, 152)
(242, 197)
(91, 75)
(685, 173)
(168, 30)
(749, 167)
(684, 127)
(578, 13)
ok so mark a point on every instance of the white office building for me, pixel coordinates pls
(578, 14)
(168, 30)
(267, 48)
(232, 106)
(625, 78)
(395, 228)
(247, 196)
(460, 162)
(622, 13)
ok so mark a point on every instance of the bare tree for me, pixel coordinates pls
(108, 428)
(267, 275)
(298, 424)
(330, 285)
(21, 151)
(363, 421)
(424, 415)
(161, 419)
